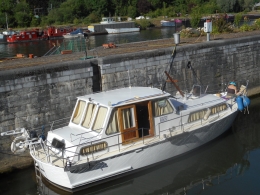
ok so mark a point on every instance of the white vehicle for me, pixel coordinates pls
(140, 17)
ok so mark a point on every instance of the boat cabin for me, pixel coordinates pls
(107, 20)
(129, 115)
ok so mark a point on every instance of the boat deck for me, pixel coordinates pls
(136, 145)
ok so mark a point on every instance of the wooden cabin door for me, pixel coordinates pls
(128, 123)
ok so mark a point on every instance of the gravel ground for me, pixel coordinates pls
(14, 63)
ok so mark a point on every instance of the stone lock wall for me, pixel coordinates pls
(35, 96)
(214, 63)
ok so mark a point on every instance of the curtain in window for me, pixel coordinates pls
(89, 115)
(161, 110)
(113, 126)
(78, 112)
(100, 118)
(197, 115)
(127, 118)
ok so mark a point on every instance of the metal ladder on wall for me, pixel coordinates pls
(38, 176)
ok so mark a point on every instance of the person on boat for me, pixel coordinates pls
(232, 89)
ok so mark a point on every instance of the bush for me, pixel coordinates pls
(237, 20)
(257, 23)
(143, 24)
(195, 17)
(246, 27)
(190, 32)
(220, 25)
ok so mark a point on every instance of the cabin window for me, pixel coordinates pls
(89, 114)
(161, 107)
(195, 116)
(93, 148)
(78, 112)
(113, 125)
(218, 108)
(200, 114)
(100, 118)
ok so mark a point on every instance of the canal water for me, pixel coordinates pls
(40, 48)
(228, 165)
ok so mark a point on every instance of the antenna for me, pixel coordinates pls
(173, 56)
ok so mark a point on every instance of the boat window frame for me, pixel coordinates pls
(103, 144)
(92, 115)
(217, 107)
(168, 105)
(75, 110)
(201, 116)
(97, 114)
(113, 117)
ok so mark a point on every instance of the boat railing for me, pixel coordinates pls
(52, 50)
(59, 123)
(119, 145)
(44, 149)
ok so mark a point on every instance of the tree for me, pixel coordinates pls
(226, 5)
(144, 6)
(22, 14)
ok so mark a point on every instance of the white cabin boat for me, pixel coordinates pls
(107, 20)
(119, 131)
(121, 30)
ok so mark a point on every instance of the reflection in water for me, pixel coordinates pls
(39, 48)
(225, 166)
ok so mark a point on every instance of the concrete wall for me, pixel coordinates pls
(35, 96)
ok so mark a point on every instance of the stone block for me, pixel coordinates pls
(63, 78)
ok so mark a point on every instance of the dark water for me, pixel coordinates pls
(39, 48)
(228, 165)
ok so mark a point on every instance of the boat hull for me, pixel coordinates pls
(73, 36)
(121, 30)
(165, 23)
(122, 163)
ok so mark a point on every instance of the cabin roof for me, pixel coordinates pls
(125, 96)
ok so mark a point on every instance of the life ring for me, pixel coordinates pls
(19, 145)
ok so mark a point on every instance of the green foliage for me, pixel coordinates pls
(144, 24)
(209, 7)
(7, 5)
(195, 17)
(257, 23)
(23, 19)
(221, 25)
(190, 32)
(92, 18)
(226, 5)
(35, 21)
(131, 11)
(238, 18)
(79, 11)
(246, 27)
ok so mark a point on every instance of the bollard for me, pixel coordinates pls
(176, 38)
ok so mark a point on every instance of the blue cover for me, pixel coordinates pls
(246, 101)
(240, 104)
(79, 30)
